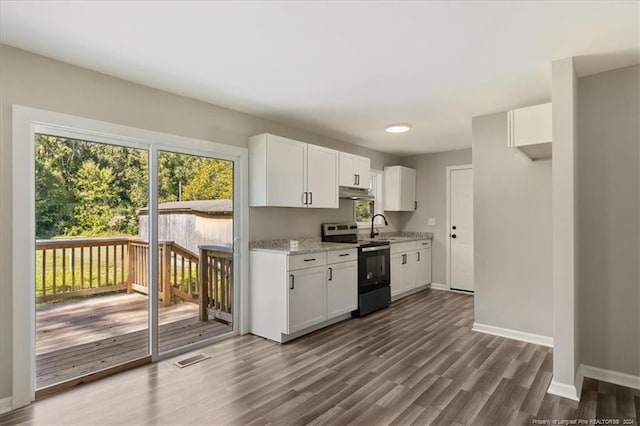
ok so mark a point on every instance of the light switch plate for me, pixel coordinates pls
(431, 221)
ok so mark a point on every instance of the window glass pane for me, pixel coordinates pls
(364, 210)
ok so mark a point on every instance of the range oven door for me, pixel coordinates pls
(373, 268)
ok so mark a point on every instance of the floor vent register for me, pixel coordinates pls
(191, 360)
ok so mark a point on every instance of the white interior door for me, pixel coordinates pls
(461, 228)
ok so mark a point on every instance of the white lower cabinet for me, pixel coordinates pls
(423, 267)
(306, 299)
(410, 266)
(402, 273)
(342, 288)
(290, 294)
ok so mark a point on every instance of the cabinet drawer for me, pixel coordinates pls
(403, 247)
(337, 256)
(301, 261)
(423, 244)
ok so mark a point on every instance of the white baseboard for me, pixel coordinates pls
(5, 405)
(621, 379)
(564, 390)
(513, 334)
(437, 286)
(579, 380)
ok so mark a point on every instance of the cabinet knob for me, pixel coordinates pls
(330, 274)
(291, 282)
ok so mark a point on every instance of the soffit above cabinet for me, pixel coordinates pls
(530, 131)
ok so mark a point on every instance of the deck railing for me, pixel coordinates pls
(216, 271)
(79, 267)
(178, 268)
(82, 267)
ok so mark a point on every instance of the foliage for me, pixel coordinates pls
(212, 181)
(364, 210)
(92, 189)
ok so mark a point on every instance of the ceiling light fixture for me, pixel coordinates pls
(397, 128)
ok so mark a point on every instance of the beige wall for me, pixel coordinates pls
(609, 283)
(34, 81)
(512, 232)
(431, 197)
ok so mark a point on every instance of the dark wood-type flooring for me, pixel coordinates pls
(417, 362)
(83, 336)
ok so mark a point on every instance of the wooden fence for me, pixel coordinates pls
(83, 267)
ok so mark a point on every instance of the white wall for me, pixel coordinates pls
(431, 197)
(512, 232)
(34, 81)
(608, 176)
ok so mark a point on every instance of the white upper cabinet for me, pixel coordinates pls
(288, 173)
(399, 189)
(322, 177)
(362, 170)
(354, 170)
(530, 130)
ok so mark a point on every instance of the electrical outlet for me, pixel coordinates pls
(431, 221)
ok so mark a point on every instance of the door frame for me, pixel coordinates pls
(26, 122)
(447, 256)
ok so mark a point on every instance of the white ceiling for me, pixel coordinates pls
(342, 69)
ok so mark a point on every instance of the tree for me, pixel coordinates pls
(97, 198)
(213, 180)
(89, 188)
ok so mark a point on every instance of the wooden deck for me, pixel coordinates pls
(78, 337)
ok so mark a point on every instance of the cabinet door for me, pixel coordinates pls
(397, 273)
(423, 267)
(322, 177)
(342, 288)
(407, 189)
(286, 174)
(409, 272)
(307, 302)
(362, 169)
(347, 170)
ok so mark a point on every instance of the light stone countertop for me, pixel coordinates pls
(304, 245)
(404, 237)
(314, 244)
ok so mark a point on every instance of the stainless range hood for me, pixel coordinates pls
(347, 193)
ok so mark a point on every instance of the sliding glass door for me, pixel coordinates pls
(134, 255)
(195, 248)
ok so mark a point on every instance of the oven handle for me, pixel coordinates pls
(376, 248)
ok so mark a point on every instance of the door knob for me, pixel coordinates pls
(453, 227)
(453, 235)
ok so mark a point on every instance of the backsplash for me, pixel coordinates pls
(268, 223)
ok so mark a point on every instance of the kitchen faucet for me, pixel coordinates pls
(373, 232)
